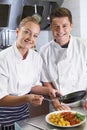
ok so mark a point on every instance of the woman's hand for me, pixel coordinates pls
(35, 100)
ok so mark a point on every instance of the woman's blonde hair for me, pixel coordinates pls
(28, 19)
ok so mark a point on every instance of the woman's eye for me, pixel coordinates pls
(27, 32)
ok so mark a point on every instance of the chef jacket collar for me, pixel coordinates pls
(17, 52)
(64, 46)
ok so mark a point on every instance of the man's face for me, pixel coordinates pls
(27, 35)
(61, 28)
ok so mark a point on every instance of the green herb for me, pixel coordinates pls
(80, 116)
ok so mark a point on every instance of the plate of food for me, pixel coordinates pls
(65, 118)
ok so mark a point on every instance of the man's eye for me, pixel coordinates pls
(35, 36)
(56, 27)
(65, 26)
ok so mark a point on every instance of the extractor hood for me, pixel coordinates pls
(18, 9)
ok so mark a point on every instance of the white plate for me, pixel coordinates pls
(58, 112)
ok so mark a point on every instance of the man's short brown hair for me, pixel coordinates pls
(61, 12)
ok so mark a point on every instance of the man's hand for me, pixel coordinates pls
(58, 106)
(54, 92)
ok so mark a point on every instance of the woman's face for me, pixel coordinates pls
(61, 28)
(27, 35)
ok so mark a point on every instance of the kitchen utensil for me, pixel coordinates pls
(36, 15)
(36, 126)
(69, 98)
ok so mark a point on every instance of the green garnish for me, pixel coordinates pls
(80, 116)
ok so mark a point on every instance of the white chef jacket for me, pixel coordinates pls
(18, 76)
(65, 68)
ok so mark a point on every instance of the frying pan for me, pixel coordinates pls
(71, 97)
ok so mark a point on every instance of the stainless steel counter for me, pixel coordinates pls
(40, 122)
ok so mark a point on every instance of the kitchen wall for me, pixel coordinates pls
(43, 38)
(83, 13)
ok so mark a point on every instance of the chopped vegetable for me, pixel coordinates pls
(80, 116)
